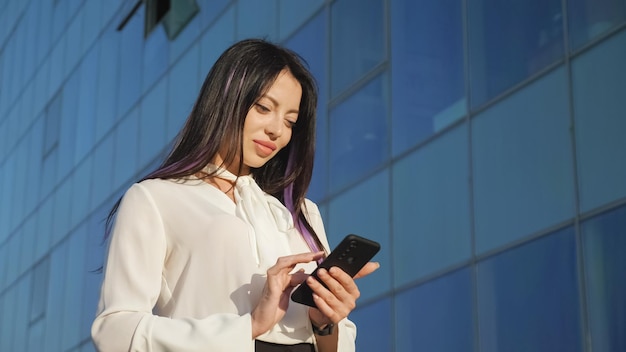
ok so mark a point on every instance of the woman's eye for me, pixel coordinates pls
(262, 108)
(290, 123)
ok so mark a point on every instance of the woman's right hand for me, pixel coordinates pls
(275, 298)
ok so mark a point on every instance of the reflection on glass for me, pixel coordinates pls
(358, 133)
(509, 41)
(604, 243)
(436, 316)
(589, 19)
(374, 327)
(357, 40)
(599, 83)
(431, 221)
(522, 164)
(528, 297)
(427, 69)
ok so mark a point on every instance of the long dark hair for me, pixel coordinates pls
(241, 75)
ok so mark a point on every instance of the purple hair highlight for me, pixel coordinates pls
(288, 196)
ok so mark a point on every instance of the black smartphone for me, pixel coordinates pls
(352, 253)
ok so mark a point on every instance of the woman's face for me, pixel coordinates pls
(268, 124)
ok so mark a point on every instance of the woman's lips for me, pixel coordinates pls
(265, 148)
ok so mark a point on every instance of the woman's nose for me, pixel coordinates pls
(274, 127)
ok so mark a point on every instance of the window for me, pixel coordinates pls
(52, 125)
(589, 19)
(528, 297)
(358, 133)
(426, 69)
(39, 294)
(431, 215)
(509, 41)
(173, 14)
(357, 41)
(522, 164)
(604, 242)
(436, 316)
(599, 83)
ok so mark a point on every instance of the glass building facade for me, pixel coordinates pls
(481, 142)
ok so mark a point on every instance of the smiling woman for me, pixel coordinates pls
(205, 250)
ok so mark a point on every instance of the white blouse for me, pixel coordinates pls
(181, 275)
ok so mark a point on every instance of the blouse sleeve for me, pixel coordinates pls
(131, 287)
(347, 329)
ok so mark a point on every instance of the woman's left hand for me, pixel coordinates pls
(339, 299)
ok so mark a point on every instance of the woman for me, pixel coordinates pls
(205, 251)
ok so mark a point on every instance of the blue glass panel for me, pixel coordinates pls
(81, 191)
(130, 60)
(426, 69)
(210, 10)
(604, 244)
(21, 321)
(431, 217)
(357, 40)
(293, 13)
(44, 224)
(36, 336)
(509, 41)
(358, 133)
(436, 316)
(216, 39)
(126, 148)
(364, 210)
(40, 275)
(156, 57)
(7, 333)
(94, 259)
(102, 171)
(92, 22)
(30, 41)
(522, 164)
(589, 19)
(374, 327)
(310, 43)
(56, 290)
(57, 59)
(62, 211)
(108, 72)
(73, 38)
(528, 297)
(184, 86)
(599, 83)
(74, 269)
(152, 123)
(257, 19)
(185, 38)
(67, 135)
(87, 99)
(44, 30)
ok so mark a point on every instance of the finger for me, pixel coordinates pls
(336, 296)
(367, 269)
(297, 278)
(341, 283)
(338, 282)
(290, 261)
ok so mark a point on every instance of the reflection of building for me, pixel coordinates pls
(482, 148)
